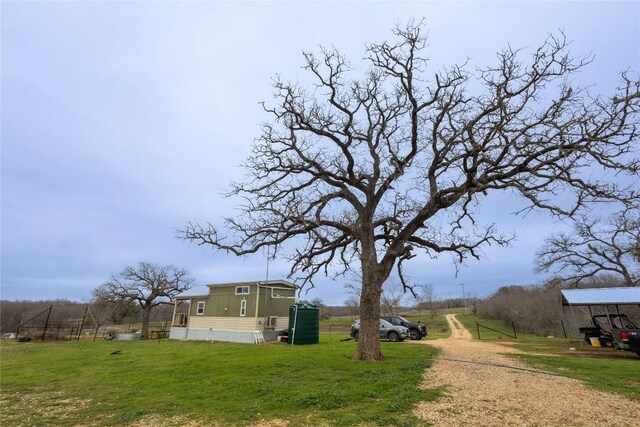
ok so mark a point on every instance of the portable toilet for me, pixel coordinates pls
(304, 324)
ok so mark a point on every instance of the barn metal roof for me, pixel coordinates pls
(600, 296)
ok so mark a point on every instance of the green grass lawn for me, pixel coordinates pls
(601, 368)
(505, 330)
(173, 382)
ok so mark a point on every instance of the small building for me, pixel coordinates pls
(233, 312)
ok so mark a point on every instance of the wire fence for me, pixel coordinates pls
(45, 326)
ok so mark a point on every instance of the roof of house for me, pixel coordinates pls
(203, 290)
(601, 296)
(196, 291)
(278, 283)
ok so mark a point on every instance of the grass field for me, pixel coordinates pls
(156, 383)
(172, 383)
(601, 368)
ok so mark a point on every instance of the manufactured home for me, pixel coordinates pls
(234, 312)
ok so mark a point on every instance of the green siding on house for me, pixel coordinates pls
(223, 302)
(275, 307)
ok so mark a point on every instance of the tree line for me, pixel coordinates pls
(538, 308)
(597, 253)
(14, 313)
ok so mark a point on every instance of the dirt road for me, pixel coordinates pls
(487, 389)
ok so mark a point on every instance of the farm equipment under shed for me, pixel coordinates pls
(614, 330)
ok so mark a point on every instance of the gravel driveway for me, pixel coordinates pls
(479, 393)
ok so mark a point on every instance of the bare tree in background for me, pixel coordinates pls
(365, 173)
(392, 298)
(353, 297)
(595, 247)
(426, 295)
(148, 285)
(353, 305)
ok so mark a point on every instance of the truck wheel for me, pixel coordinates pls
(414, 334)
(393, 336)
(356, 335)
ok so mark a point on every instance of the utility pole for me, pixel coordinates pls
(464, 295)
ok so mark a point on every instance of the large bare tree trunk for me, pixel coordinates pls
(369, 339)
(146, 316)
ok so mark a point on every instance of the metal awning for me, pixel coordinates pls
(601, 296)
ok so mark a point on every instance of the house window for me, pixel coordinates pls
(243, 307)
(200, 309)
(242, 290)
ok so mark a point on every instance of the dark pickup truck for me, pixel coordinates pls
(416, 330)
(613, 330)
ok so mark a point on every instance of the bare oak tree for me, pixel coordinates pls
(366, 172)
(148, 285)
(595, 247)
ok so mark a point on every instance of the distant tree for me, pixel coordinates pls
(116, 312)
(595, 247)
(473, 302)
(148, 285)
(322, 307)
(426, 296)
(353, 305)
(317, 302)
(364, 173)
(392, 298)
(530, 308)
(352, 290)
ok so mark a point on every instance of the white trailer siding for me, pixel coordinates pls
(224, 323)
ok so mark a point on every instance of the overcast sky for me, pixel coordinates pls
(123, 120)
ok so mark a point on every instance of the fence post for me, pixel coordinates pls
(46, 323)
(513, 325)
(82, 324)
(478, 328)
(564, 331)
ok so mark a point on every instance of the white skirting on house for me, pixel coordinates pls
(247, 337)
